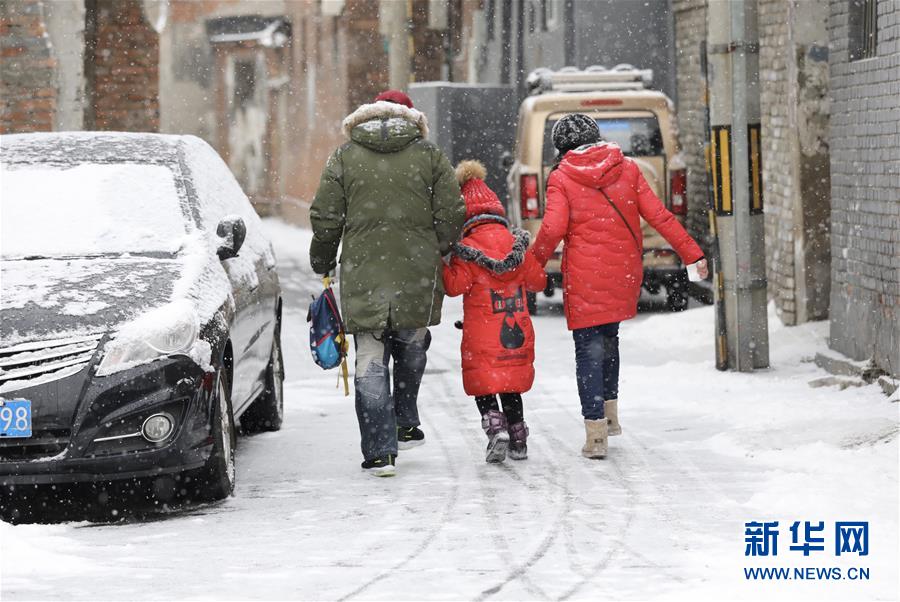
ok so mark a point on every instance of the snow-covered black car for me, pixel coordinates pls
(140, 312)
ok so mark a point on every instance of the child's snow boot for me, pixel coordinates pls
(495, 427)
(611, 411)
(518, 435)
(595, 445)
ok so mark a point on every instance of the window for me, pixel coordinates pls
(637, 136)
(863, 28)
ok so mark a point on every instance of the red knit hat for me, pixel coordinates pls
(396, 97)
(478, 197)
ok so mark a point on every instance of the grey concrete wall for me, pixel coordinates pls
(471, 121)
(865, 191)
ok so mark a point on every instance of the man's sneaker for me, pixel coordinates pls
(518, 437)
(380, 467)
(409, 437)
(494, 425)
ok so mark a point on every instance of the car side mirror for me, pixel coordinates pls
(232, 231)
(506, 160)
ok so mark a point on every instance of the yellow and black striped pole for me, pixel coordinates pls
(736, 183)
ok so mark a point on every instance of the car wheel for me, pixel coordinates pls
(531, 299)
(267, 412)
(676, 300)
(217, 478)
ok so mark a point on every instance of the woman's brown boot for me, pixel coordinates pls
(595, 444)
(611, 410)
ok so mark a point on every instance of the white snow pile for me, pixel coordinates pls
(88, 209)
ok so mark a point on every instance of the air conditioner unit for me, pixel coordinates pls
(594, 78)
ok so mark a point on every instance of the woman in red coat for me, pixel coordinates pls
(491, 267)
(596, 198)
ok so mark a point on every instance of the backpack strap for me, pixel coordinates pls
(625, 221)
(341, 338)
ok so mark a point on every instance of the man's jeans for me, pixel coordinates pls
(378, 411)
(597, 367)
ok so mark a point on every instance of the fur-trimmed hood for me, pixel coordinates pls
(383, 110)
(512, 260)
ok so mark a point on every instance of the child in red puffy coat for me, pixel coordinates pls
(491, 268)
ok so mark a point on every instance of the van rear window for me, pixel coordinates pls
(637, 136)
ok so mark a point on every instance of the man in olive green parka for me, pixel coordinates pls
(392, 198)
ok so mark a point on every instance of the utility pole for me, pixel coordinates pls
(736, 172)
(394, 24)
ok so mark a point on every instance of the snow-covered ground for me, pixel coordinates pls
(702, 453)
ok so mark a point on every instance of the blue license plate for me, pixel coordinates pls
(15, 418)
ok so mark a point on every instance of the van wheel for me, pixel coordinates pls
(267, 412)
(531, 300)
(216, 479)
(676, 300)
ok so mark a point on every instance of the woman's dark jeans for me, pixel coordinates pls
(597, 367)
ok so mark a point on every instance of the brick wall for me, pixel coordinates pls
(690, 30)
(779, 186)
(121, 67)
(27, 69)
(865, 180)
(793, 42)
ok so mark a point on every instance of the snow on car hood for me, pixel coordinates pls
(56, 298)
(51, 298)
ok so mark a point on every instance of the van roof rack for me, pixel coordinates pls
(594, 78)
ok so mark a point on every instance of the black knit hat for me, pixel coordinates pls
(573, 131)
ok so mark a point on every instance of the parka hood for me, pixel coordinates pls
(494, 248)
(595, 165)
(385, 127)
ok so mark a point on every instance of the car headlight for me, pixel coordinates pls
(168, 330)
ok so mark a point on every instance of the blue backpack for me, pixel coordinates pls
(327, 339)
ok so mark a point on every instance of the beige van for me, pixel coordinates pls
(638, 119)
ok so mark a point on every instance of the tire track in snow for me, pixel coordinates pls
(501, 543)
(430, 533)
(547, 541)
(633, 501)
(685, 465)
(633, 497)
(561, 523)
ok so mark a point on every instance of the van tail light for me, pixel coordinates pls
(528, 188)
(678, 186)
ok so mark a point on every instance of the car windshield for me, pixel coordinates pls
(89, 209)
(637, 136)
